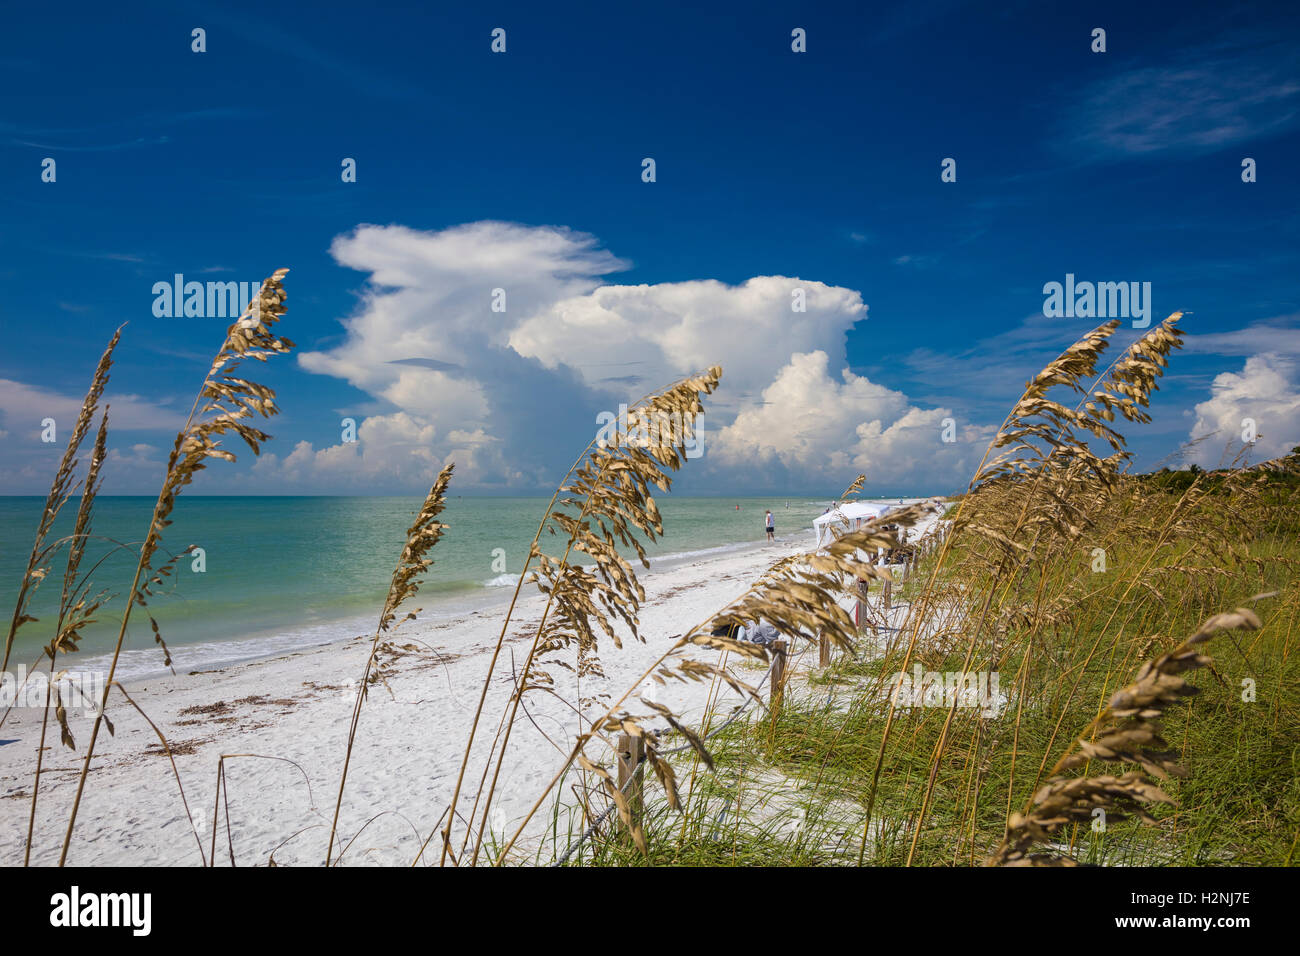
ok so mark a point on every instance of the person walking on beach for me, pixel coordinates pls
(771, 528)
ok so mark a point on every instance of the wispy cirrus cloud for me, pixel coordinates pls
(23, 407)
(341, 61)
(73, 139)
(1205, 102)
(142, 142)
(1279, 335)
(916, 261)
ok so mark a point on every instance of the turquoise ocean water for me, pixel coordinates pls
(284, 573)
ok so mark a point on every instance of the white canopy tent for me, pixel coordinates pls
(847, 516)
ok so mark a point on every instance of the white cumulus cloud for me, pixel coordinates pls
(654, 334)
(1267, 392)
(809, 422)
(511, 396)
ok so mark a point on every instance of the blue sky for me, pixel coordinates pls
(521, 170)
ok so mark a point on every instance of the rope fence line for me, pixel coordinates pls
(923, 547)
(735, 715)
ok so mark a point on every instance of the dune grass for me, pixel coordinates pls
(1088, 594)
(805, 778)
(1063, 575)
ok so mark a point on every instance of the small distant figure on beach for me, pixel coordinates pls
(771, 527)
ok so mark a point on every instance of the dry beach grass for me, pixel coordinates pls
(844, 771)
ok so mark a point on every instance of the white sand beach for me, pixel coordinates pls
(296, 708)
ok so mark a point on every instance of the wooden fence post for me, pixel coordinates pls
(863, 597)
(778, 675)
(630, 751)
(823, 651)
